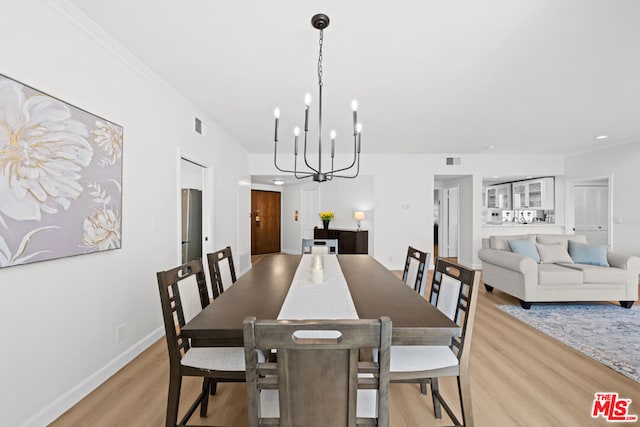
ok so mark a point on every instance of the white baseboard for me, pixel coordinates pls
(63, 403)
(290, 252)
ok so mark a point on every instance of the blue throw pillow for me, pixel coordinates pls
(525, 247)
(584, 254)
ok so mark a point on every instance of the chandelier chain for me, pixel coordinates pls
(320, 59)
(320, 22)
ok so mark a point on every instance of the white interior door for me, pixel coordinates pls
(449, 223)
(591, 210)
(310, 211)
(453, 214)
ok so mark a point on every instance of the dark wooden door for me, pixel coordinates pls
(265, 222)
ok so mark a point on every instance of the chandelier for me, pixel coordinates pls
(320, 22)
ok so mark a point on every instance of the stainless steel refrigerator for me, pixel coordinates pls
(191, 224)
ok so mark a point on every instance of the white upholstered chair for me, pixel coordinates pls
(320, 246)
(454, 292)
(318, 381)
(219, 274)
(183, 294)
(414, 269)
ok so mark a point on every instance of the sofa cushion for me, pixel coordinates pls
(584, 254)
(525, 247)
(548, 239)
(554, 274)
(501, 243)
(599, 274)
(553, 253)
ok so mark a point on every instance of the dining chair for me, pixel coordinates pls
(180, 289)
(453, 292)
(414, 269)
(317, 380)
(320, 246)
(215, 271)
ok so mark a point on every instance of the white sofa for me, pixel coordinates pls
(529, 281)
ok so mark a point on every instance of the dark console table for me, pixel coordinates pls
(349, 241)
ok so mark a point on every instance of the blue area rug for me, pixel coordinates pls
(607, 333)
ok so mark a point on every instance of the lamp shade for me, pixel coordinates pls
(358, 215)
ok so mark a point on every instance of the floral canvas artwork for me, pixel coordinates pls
(60, 178)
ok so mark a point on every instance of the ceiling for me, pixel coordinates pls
(498, 76)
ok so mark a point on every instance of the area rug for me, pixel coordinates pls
(605, 332)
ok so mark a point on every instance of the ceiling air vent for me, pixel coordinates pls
(453, 161)
(199, 126)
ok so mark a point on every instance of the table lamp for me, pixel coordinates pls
(358, 216)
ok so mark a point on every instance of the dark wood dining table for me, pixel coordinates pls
(375, 291)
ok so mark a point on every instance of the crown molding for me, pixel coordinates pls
(607, 145)
(73, 14)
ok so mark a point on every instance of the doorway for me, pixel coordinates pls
(449, 192)
(591, 210)
(448, 241)
(265, 222)
(193, 208)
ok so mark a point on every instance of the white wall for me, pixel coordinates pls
(342, 196)
(622, 164)
(60, 317)
(403, 194)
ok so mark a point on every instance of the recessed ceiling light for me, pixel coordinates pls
(490, 147)
(600, 137)
(278, 181)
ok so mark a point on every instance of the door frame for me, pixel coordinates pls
(443, 228)
(280, 234)
(571, 206)
(207, 203)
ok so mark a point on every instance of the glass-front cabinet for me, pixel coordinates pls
(499, 196)
(534, 194)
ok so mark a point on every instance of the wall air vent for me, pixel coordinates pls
(199, 126)
(453, 161)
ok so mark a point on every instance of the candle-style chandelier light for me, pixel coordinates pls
(320, 22)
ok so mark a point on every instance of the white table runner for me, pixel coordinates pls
(328, 300)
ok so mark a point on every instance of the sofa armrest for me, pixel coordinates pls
(509, 260)
(626, 262)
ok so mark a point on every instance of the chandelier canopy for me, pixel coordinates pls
(320, 22)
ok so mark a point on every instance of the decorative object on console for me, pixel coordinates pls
(320, 22)
(326, 217)
(358, 216)
(60, 178)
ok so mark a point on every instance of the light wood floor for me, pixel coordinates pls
(519, 377)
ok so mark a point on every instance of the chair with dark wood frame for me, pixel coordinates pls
(213, 364)
(330, 244)
(422, 258)
(215, 273)
(424, 364)
(318, 380)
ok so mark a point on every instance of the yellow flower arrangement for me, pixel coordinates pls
(327, 216)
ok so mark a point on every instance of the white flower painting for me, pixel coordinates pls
(60, 178)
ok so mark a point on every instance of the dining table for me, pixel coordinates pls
(375, 291)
